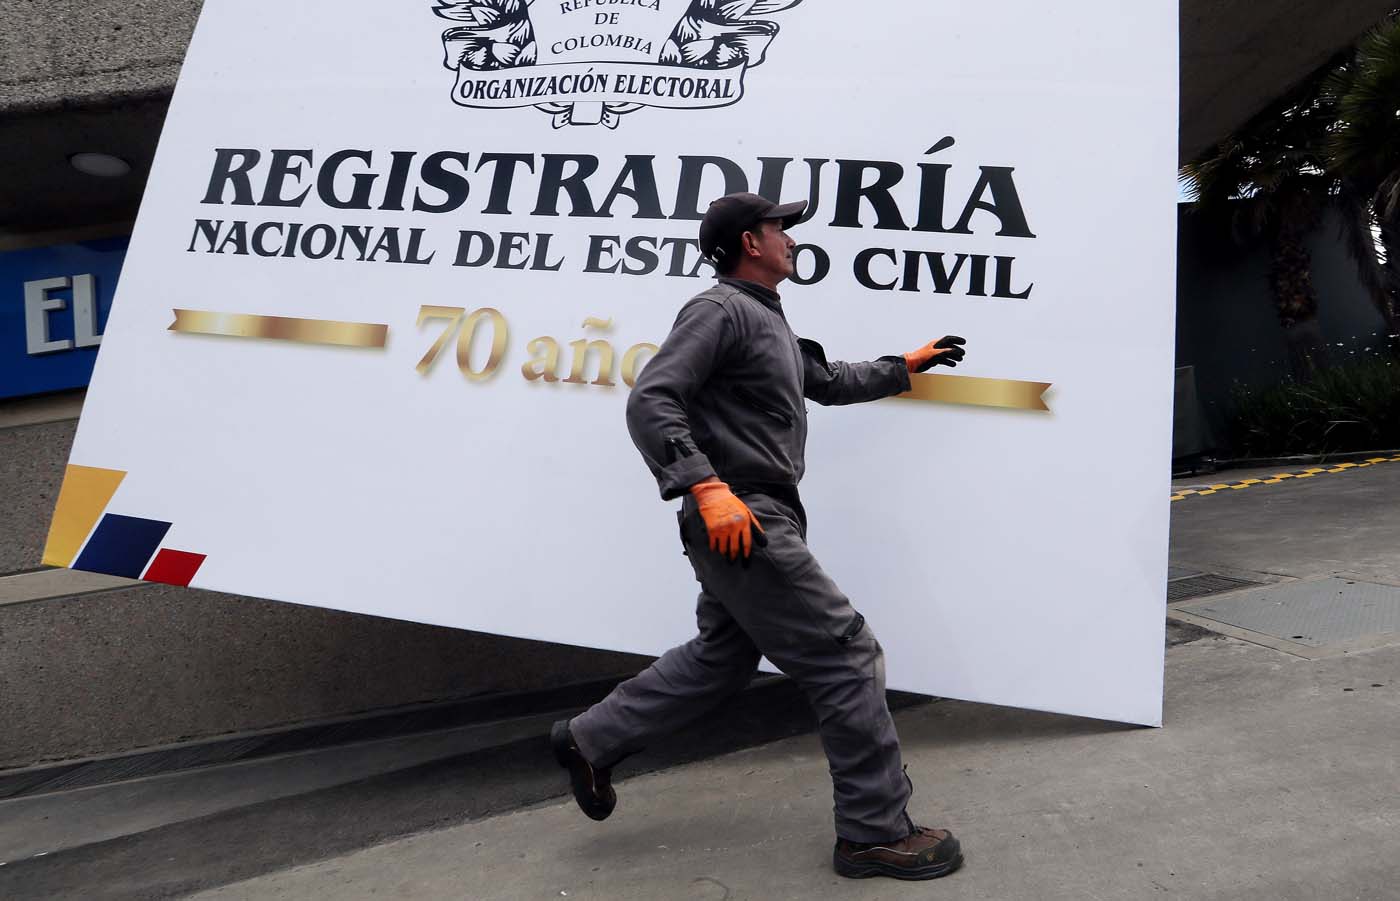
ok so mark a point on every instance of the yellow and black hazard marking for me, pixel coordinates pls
(1280, 478)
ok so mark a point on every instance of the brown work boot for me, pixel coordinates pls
(923, 854)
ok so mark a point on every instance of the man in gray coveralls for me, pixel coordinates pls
(719, 418)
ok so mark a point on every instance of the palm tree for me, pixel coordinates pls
(1363, 152)
(1272, 177)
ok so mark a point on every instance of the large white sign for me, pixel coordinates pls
(398, 264)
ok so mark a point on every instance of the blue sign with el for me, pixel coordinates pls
(54, 303)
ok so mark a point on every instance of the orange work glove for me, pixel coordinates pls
(727, 520)
(943, 352)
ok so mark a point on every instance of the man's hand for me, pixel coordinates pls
(727, 520)
(943, 352)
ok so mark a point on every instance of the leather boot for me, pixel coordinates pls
(592, 785)
(923, 854)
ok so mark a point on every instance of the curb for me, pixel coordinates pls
(1184, 493)
(1302, 460)
(52, 777)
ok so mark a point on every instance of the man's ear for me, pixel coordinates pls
(749, 244)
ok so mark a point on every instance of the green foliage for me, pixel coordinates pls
(1354, 407)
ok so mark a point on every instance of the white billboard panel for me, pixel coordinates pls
(398, 264)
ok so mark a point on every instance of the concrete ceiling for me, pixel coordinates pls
(1238, 55)
(57, 97)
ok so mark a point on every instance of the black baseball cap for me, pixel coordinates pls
(733, 214)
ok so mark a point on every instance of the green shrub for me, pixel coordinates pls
(1345, 408)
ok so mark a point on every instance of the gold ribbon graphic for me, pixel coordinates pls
(948, 389)
(964, 389)
(281, 328)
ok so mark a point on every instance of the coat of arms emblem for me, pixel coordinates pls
(590, 62)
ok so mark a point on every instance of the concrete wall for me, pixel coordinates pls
(1236, 54)
(1226, 324)
(60, 53)
(101, 673)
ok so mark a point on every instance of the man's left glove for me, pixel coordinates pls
(943, 352)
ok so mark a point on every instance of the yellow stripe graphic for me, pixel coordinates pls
(280, 328)
(86, 492)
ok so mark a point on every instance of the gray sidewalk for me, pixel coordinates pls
(1268, 782)
(1274, 777)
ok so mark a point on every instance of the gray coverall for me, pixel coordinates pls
(724, 397)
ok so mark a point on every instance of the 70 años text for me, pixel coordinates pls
(487, 326)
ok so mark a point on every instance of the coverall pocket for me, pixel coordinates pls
(768, 409)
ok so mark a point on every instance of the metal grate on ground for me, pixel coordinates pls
(1315, 613)
(1190, 587)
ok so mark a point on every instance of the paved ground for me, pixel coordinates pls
(1336, 523)
(1268, 782)
(1274, 778)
